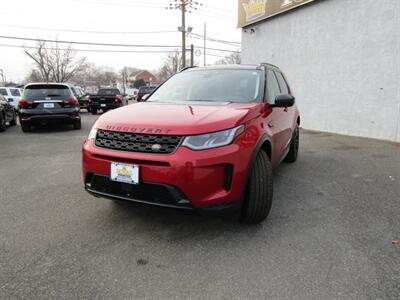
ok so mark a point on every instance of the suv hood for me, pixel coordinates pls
(178, 119)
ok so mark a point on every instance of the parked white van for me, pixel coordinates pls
(12, 94)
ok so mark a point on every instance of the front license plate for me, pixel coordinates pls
(124, 173)
(49, 105)
(102, 105)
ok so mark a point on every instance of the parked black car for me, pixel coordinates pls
(104, 100)
(81, 96)
(144, 90)
(44, 103)
(7, 114)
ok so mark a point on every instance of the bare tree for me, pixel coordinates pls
(55, 63)
(34, 76)
(171, 65)
(93, 75)
(232, 59)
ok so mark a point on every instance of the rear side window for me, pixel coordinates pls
(282, 83)
(3, 92)
(47, 92)
(272, 87)
(74, 92)
(15, 92)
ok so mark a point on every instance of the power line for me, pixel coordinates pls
(199, 36)
(104, 44)
(89, 31)
(91, 50)
(87, 43)
(103, 50)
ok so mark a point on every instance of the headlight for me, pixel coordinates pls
(212, 140)
(93, 133)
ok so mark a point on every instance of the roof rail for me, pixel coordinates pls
(266, 64)
(185, 68)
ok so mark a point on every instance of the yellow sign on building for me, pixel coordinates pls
(251, 11)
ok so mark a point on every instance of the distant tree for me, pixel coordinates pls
(33, 76)
(96, 76)
(54, 63)
(139, 83)
(232, 59)
(172, 64)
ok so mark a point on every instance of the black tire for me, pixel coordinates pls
(291, 157)
(259, 191)
(25, 127)
(13, 122)
(2, 122)
(93, 111)
(77, 124)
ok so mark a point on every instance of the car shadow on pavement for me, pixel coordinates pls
(189, 226)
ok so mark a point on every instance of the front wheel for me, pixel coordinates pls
(25, 127)
(294, 146)
(13, 122)
(259, 191)
(2, 122)
(77, 124)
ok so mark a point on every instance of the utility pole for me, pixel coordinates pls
(205, 41)
(183, 9)
(184, 6)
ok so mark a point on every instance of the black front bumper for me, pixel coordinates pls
(154, 194)
(145, 193)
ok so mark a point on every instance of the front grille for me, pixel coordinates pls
(133, 142)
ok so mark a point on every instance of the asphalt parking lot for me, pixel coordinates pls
(335, 214)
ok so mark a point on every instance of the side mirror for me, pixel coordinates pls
(283, 101)
(145, 97)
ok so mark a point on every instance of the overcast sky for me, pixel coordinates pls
(51, 19)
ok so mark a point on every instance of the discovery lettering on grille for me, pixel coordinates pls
(144, 143)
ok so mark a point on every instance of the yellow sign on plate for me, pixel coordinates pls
(124, 173)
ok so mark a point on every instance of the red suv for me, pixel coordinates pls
(207, 139)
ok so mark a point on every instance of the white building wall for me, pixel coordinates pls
(342, 59)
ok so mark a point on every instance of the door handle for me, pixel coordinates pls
(286, 109)
(270, 125)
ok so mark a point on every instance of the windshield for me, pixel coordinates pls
(108, 92)
(41, 92)
(227, 85)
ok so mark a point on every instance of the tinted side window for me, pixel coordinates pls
(15, 92)
(3, 92)
(272, 87)
(74, 92)
(282, 83)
